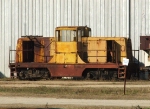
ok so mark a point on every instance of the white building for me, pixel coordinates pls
(113, 18)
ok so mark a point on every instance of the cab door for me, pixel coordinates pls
(28, 51)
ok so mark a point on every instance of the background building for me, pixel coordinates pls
(107, 18)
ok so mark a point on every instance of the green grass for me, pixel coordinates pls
(78, 93)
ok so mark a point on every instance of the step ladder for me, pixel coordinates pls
(13, 73)
(122, 72)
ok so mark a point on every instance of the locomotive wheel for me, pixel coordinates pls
(87, 76)
(92, 75)
(21, 75)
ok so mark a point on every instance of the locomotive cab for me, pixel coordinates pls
(71, 33)
(68, 43)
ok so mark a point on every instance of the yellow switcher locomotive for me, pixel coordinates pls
(71, 53)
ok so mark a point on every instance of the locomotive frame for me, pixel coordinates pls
(73, 55)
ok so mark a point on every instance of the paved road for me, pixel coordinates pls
(85, 102)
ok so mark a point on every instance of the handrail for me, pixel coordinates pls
(10, 51)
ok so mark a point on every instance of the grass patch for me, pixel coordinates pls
(78, 93)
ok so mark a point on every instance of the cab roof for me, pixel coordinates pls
(71, 27)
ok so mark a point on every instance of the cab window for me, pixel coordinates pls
(79, 35)
(66, 35)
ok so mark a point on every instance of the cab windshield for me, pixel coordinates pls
(66, 35)
(69, 35)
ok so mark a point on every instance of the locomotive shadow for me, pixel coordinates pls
(135, 72)
(2, 75)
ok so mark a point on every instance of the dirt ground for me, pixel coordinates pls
(70, 83)
(23, 101)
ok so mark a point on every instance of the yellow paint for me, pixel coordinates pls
(64, 58)
(66, 52)
(96, 59)
(19, 51)
(52, 47)
(65, 47)
(60, 58)
(96, 48)
(53, 60)
(79, 60)
(70, 58)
